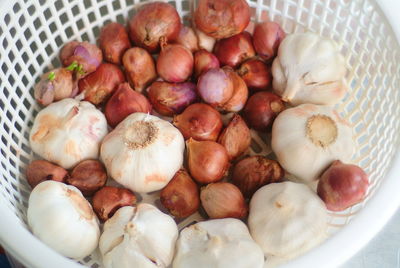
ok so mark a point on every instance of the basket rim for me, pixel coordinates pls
(355, 235)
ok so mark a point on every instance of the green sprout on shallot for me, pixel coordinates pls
(75, 67)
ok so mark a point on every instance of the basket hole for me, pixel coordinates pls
(80, 24)
(37, 23)
(96, 30)
(4, 68)
(25, 148)
(92, 17)
(69, 32)
(32, 70)
(27, 104)
(116, 5)
(59, 41)
(85, 37)
(104, 10)
(47, 14)
(5, 43)
(56, 61)
(87, 3)
(121, 19)
(16, 8)
(75, 11)
(27, 34)
(11, 80)
(25, 81)
(49, 50)
(22, 115)
(7, 19)
(31, 10)
(64, 18)
(59, 4)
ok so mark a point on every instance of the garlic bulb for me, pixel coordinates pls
(63, 219)
(143, 152)
(139, 236)
(308, 138)
(309, 69)
(67, 132)
(287, 219)
(217, 243)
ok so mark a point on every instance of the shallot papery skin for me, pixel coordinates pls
(236, 137)
(261, 109)
(267, 37)
(188, 38)
(140, 68)
(234, 50)
(239, 95)
(199, 121)
(171, 98)
(175, 63)
(222, 18)
(114, 41)
(98, 86)
(215, 87)
(154, 23)
(342, 185)
(207, 160)
(256, 74)
(204, 61)
(124, 102)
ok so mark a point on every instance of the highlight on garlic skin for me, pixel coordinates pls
(143, 152)
(309, 69)
(217, 243)
(140, 236)
(67, 132)
(306, 139)
(286, 219)
(63, 219)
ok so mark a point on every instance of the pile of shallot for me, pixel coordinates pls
(159, 106)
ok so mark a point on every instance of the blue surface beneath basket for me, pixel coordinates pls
(4, 261)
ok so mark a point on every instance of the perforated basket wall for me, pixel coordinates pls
(32, 32)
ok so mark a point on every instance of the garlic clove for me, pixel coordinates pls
(307, 138)
(309, 69)
(143, 152)
(217, 243)
(139, 236)
(287, 219)
(67, 132)
(63, 219)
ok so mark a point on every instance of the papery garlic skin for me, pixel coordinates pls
(63, 219)
(67, 132)
(306, 139)
(217, 243)
(139, 236)
(143, 152)
(286, 219)
(309, 69)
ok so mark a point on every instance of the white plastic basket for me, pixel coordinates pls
(32, 32)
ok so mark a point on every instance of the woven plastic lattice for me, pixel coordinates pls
(32, 33)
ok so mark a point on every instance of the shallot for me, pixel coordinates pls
(199, 121)
(171, 98)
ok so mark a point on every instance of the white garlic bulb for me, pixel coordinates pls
(309, 69)
(143, 152)
(139, 236)
(308, 138)
(286, 219)
(67, 132)
(63, 219)
(217, 243)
